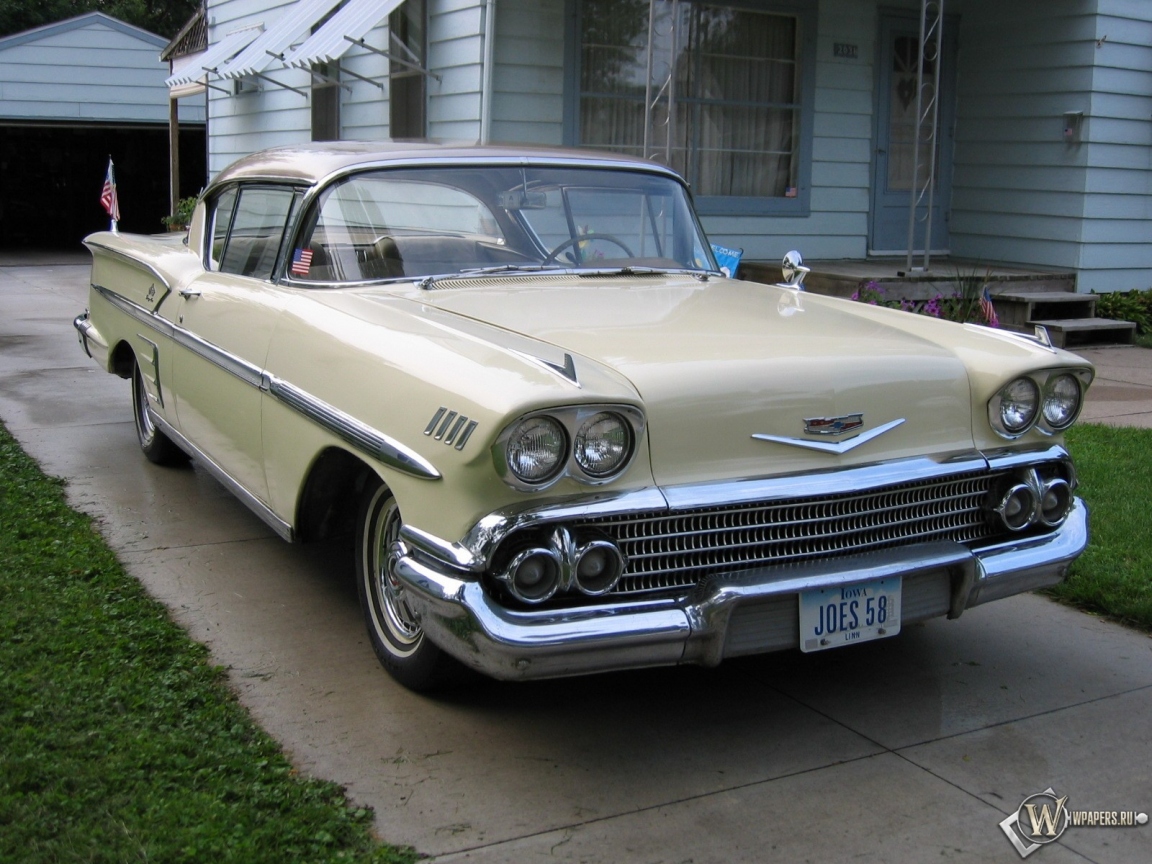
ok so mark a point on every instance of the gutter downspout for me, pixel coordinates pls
(486, 86)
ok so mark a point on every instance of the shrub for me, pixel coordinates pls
(182, 218)
(1134, 306)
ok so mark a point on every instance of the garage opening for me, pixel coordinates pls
(53, 174)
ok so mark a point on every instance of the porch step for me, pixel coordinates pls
(1069, 332)
(1019, 307)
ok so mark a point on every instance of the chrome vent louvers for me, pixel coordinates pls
(450, 427)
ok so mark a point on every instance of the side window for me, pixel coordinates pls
(222, 212)
(248, 242)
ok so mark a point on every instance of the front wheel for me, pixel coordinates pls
(397, 637)
(157, 446)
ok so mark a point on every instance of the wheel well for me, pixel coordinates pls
(331, 496)
(123, 360)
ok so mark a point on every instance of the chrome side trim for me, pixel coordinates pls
(135, 262)
(282, 528)
(133, 310)
(349, 429)
(361, 436)
(153, 362)
(829, 446)
(247, 372)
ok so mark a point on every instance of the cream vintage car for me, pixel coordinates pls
(563, 440)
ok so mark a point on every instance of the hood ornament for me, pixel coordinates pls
(793, 270)
(828, 446)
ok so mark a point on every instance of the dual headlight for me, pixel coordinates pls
(1049, 400)
(593, 444)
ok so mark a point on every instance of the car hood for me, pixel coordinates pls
(719, 362)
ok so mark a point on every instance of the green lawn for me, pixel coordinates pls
(118, 740)
(1114, 577)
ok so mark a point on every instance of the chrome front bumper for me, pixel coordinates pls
(729, 615)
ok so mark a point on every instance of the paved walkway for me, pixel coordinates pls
(1121, 395)
(905, 750)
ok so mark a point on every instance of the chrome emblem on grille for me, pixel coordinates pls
(837, 447)
(833, 425)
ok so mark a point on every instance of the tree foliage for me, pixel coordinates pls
(163, 17)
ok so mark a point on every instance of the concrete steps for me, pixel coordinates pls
(1073, 332)
(1069, 318)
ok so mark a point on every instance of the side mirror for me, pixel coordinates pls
(794, 271)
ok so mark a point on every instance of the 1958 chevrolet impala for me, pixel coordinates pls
(563, 439)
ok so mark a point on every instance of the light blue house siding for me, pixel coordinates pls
(1022, 192)
(242, 122)
(1116, 251)
(265, 115)
(528, 76)
(90, 69)
(456, 54)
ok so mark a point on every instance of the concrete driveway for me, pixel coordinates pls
(909, 749)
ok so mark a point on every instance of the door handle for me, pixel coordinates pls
(189, 293)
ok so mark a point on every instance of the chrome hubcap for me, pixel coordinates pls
(399, 618)
(144, 424)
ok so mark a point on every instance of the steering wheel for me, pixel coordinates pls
(573, 241)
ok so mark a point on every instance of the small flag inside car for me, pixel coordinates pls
(301, 262)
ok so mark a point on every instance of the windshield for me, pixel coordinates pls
(417, 222)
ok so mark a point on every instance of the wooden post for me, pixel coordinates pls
(174, 151)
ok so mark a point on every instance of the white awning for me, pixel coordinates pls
(193, 68)
(296, 21)
(330, 42)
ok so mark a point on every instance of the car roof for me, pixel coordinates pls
(310, 163)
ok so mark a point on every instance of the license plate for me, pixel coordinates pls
(845, 615)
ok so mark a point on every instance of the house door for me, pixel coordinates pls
(892, 180)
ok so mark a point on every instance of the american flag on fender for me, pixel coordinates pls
(108, 197)
(301, 262)
(987, 309)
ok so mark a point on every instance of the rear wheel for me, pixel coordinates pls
(397, 637)
(157, 446)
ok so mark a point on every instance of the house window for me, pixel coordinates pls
(409, 51)
(728, 91)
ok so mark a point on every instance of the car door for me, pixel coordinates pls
(224, 322)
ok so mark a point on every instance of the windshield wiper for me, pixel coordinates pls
(508, 268)
(427, 282)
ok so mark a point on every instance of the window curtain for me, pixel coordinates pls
(733, 78)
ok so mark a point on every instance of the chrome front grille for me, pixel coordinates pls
(668, 550)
